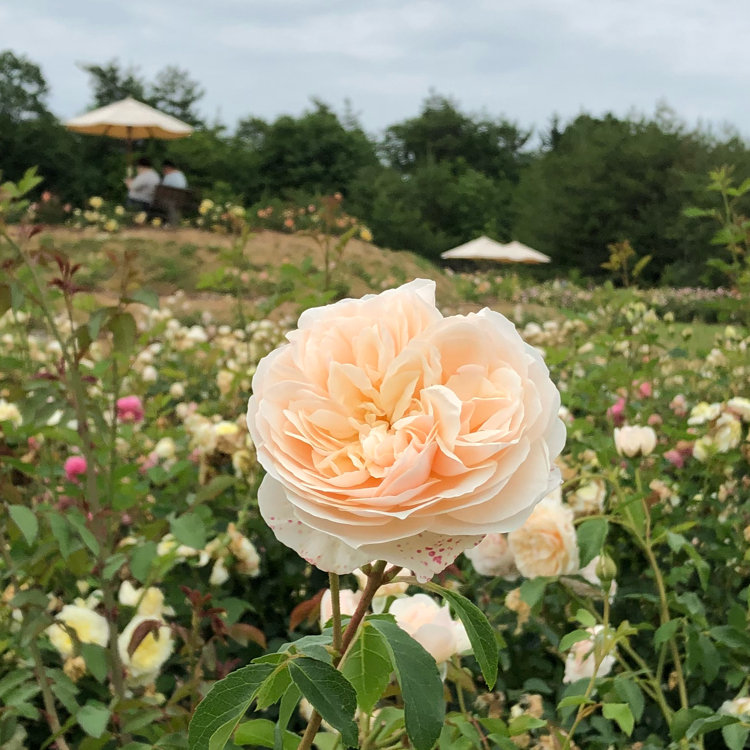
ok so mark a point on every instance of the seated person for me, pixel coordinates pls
(173, 177)
(142, 187)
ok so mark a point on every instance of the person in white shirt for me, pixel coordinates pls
(142, 187)
(173, 177)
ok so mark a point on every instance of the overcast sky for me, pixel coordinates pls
(522, 59)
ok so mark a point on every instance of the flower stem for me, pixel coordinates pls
(333, 581)
(374, 581)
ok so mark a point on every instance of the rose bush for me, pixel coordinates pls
(391, 432)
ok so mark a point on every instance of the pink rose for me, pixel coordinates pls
(617, 411)
(74, 467)
(129, 409)
(390, 432)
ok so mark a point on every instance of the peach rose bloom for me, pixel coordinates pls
(390, 432)
(348, 603)
(546, 545)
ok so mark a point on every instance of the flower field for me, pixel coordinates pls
(137, 568)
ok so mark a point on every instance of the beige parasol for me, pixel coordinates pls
(483, 248)
(130, 120)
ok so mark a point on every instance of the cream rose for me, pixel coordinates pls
(493, 557)
(546, 544)
(431, 626)
(144, 663)
(390, 432)
(581, 661)
(88, 626)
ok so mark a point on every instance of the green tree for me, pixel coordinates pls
(23, 89)
(606, 180)
(442, 133)
(313, 153)
(110, 83)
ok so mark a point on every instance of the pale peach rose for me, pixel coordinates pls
(348, 602)
(431, 626)
(394, 588)
(632, 440)
(582, 657)
(389, 432)
(546, 544)
(492, 557)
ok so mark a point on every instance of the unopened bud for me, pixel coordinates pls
(606, 569)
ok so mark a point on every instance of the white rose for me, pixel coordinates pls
(631, 440)
(704, 412)
(741, 407)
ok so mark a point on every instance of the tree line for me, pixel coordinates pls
(426, 184)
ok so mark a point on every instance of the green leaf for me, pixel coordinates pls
(330, 694)
(61, 532)
(124, 331)
(570, 639)
(665, 632)
(573, 700)
(735, 736)
(478, 629)
(113, 564)
(274, 686)
(421, 686)
(532, 590)
(709, 724)
(224, 705)
(368, 666)
(96, 660)
(684, 717)
(731, 637)
(78, 522)
(629, 691)
(621, 713)
(260, 732)
(523, 723)
(585, 618)
(93, 718)
(141, 559)
(25, 519)
(214, 488)
(591, 536)
(287, 706)
(189, 529)
(145, 297)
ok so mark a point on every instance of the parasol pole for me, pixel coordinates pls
(129, 140)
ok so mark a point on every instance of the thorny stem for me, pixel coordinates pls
(49, 700)
(333, 581)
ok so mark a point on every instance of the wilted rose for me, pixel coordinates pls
(390, 432)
